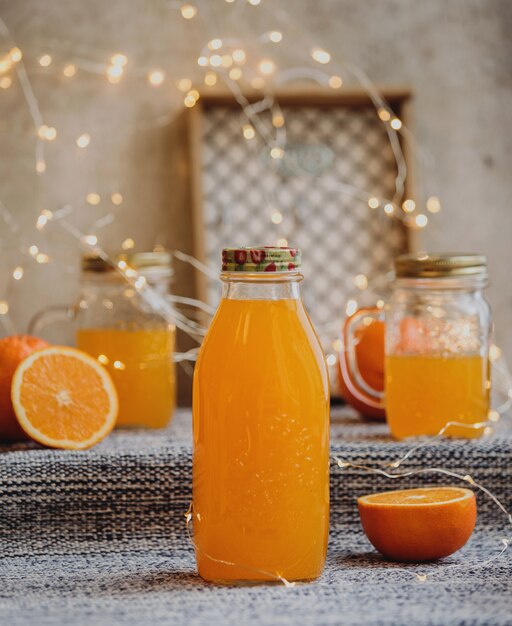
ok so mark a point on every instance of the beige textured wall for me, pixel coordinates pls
(455, 54)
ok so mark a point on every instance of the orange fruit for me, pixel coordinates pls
(63, 398)
(12, 352)
(369, 352)
(418, 524)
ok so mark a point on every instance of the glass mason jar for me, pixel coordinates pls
(261, 427)
(438, 326)
(117, 327)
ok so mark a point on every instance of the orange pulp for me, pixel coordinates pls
(424, 392)
(141, 365)
(261, 445)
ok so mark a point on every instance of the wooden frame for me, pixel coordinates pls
(185, 180)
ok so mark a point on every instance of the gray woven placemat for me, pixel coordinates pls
(98, 537)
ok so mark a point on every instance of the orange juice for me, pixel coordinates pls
(424, 392)
(261, 444)
(141, 365)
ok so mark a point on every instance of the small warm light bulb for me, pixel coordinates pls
(41, 222)
(267, 67)
(116, 198)
(277, 153)
(389, 208)
(128, 244)
(278, 120)
(184, 84)
(275, 36)
(33, 250)
(433, 204)
(331, 359)
(51, 133)
(119, 59)
(282, 243)
(239, 56)
(69, 70)
(193, 93)
(42, 258)
(93, 198)
(351, 307)
(4, 307)
(396, 124)
(249, 132)
(320, 55)
(90, 240)
(493, 416)
(380, 304)
(83, 141)
(210, 79)
(5, 82)
(202, 61)
(215, 44)
(235, 73)
(277, 217)
(156, 78)
(494, 352)
(15, 54)
(189, 101)
(254, 2)
(114, 73)
(409, 205)
(119, 365)
(421, 220)
(18, 273)
(373, 203)
(361, 282)
(103, 359)
(45, 60)
(5, 65)
(188, 11)
(384, 114)
(335, 82)
(215, 60)
(40, 166)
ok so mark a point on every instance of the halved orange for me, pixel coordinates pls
(63, 398)
(418, 524)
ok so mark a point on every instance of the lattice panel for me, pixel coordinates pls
(340, 236)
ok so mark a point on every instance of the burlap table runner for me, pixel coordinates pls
(99, 537)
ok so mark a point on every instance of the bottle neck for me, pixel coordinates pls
(261, 286)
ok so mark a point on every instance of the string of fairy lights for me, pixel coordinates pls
(244, 66)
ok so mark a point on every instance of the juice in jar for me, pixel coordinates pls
(425, 391)
(142, 368)
(261, 439)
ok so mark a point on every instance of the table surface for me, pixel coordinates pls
(153, 581)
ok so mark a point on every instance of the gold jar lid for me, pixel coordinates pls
(143, 260)
(437, 265)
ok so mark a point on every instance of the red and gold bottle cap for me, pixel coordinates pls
(261, 259)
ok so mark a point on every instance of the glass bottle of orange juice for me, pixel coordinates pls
(261, 428)
(131, 340)
(437, 337)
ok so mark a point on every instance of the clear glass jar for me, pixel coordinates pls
(261, 428)
(438, 326)
(117, 327)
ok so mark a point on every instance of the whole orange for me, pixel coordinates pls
(369, 352)
(13, 351)
(418, 524)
